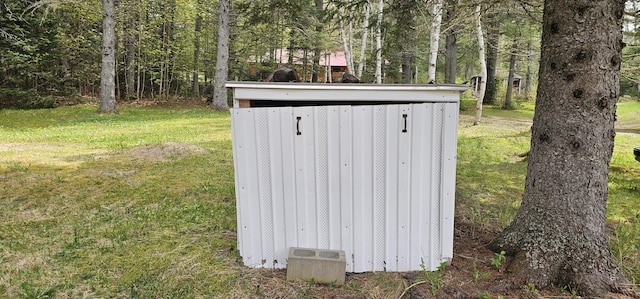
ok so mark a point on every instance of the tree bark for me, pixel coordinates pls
(451, 44)
(351, 67)
(451, 53)
(168, 24)
(406, 68)
(346, 42)
(493, 39)
(195, 82)
(483, 65)
(558, 236)
(130, 52)
(405, 36)
(317, 51)
(528, 86)
(222, 57)
(379, 42)
(365, 31)
(512, 73)
(108, 73)
(434, 40)
(291, 48)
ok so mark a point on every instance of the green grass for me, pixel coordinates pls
(85, 212)
(524, 109)
(82, 217)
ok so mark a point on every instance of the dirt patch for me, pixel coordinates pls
(471, 274)
(172, 102)
(164, 151)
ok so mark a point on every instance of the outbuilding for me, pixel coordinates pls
(361, 168)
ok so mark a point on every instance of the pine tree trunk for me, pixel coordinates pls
(451, 45)
(222, 57)
(493, 39)
(317, 50)
(528, 87)
(139, 72)
(108, 73)
(195, 82)
(405, 36)
(406, 68)
(558, 236)
(130, 54)
(510, 78)
(451, 53)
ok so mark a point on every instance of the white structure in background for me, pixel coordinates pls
(474, 84)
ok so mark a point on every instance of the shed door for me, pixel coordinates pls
(368, 180)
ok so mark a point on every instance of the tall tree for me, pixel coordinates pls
(493, 39)
(379, 42)
(195, 82)
(345, 34)
(483, 65)
(353, 36)
(129, 40)
(365, 32)
(451, 43)
(108, 74)
(404, 35)
(631, 54)
(512, 72)
(30, 46)
(528, 85)
(167, 34)
(558, 235)
(222, 60)
(434, 39)
(317, 47)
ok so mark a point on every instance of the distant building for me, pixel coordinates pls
(474, 83)
(334, 62)
(516, 84)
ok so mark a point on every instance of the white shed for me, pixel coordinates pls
(367, 169)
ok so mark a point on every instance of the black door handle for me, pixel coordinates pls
(405, 123)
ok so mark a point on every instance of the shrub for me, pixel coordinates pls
(24, 99)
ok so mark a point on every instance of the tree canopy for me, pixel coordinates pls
(167, 49)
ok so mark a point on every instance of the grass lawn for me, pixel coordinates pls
(141, 204)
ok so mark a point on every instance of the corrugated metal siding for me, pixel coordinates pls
(347, 178)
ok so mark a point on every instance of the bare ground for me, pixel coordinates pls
(164, 151)
(469, 275)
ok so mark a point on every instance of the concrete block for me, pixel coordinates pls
(321, 265)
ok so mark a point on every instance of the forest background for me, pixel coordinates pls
(53, 52)
(166, 49)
